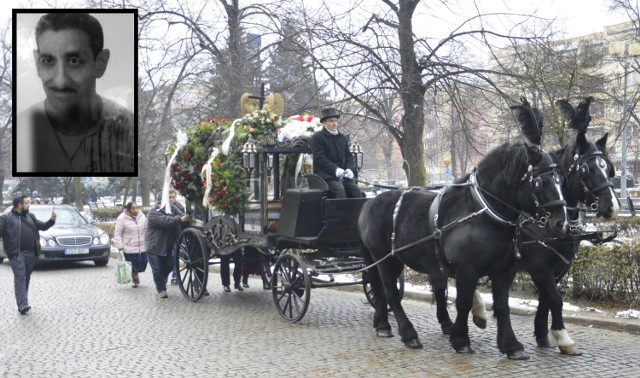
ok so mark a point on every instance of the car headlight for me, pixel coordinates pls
(96, 240)
(51, 243)
(43, 242)
(104, 239)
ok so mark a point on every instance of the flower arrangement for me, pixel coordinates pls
(259, 125)
(299, 126)
(186, 167)
(228, 180)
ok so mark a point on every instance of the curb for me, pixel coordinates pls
(631, 326)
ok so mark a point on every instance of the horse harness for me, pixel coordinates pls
(445, 267)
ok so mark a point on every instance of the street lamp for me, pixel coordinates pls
(358, 156)
(249, 155)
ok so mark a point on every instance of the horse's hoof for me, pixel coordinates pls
(465, 350)
(384, 333)
(518, 355)
(413, 344)
(570, 350)
(446, 329)
(543, 343)
(479, 322)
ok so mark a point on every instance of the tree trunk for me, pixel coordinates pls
(127, 185)
(144, 190)
(77, 185)
(412, 94)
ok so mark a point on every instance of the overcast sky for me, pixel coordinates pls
(580, 16)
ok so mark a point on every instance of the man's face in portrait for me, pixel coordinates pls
(67, 68)
(172, 197)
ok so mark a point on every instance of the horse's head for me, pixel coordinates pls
(587, 165)
(538, 184)
(535, 175)
(589, 172)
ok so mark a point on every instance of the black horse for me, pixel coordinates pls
(466, 232)
(588, 171)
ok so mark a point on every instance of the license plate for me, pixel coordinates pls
(76, 251)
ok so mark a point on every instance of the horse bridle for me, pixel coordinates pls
(535, 187)
(580, 165)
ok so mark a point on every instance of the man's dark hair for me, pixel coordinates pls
(18, 199)
(171, 191)
(79, 21)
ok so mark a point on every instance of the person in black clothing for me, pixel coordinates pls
(173, 198)
(237, 270)
(21, 241)
(331, 157)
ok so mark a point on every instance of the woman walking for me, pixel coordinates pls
(129, 237)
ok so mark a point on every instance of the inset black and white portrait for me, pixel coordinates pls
(74, 92)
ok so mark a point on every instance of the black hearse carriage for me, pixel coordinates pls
(308, 238)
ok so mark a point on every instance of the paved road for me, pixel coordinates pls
(82, 325)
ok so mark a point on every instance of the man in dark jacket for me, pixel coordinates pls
(21, 241)
(332, 159)
(161, 235)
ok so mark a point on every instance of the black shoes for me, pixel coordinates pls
(238, 287)
(245, 284)
(226, 288)
(24, 310)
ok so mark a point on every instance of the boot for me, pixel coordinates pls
(238, 286)
(245, 282)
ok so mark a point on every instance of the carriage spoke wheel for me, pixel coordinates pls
(368, 291)
(192, 260)
(291, 287)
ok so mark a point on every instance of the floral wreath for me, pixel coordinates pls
(257, 125)
(190, 158)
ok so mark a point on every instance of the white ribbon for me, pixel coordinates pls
(301, 160)
(206, 171)
(182, 140)
(227, 142)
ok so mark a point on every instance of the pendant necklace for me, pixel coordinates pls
(69, 167)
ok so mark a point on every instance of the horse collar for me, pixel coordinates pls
(479, 198)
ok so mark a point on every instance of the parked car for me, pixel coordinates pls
(72, 238)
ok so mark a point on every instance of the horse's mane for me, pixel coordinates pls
(512, 160)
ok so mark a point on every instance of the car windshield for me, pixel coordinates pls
(65, 217)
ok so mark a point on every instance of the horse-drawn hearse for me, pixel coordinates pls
(520, 209)
(298, 237)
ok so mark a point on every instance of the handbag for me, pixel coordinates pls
(123, 270)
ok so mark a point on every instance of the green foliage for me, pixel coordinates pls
(228, 179)
(106, 214)
(108, 227)
(607, 272)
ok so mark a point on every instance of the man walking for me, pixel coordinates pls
(21, 241)
(161, 235)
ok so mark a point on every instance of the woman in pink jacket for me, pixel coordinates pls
(129, 237)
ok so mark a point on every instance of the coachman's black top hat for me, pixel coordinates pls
(329, 113)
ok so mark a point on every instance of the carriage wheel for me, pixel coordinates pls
(368, 292)
(192, 260)
(291, 287)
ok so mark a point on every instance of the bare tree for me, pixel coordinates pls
(6, 82)
(378, 56)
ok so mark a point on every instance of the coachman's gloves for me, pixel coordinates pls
(348, 174)
(339, 172)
